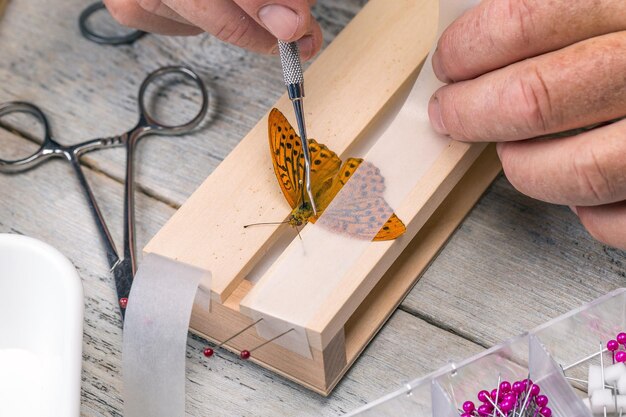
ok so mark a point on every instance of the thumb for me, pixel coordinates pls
(287, 20)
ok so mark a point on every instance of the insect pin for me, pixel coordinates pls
(606, 385)
(245, 354)
(209, 351)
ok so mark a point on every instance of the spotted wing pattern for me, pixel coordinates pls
(288, 160)
(362, 210)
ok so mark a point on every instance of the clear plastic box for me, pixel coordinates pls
(542, 354)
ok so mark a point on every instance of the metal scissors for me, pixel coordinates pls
(123, 268)
(88, 32)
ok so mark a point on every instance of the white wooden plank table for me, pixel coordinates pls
(513, 264)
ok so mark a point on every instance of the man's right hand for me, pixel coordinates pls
(250, 24)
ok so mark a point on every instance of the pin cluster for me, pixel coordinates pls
(613, 346)
(520, 399)
(606, 385)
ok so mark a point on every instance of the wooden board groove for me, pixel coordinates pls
(206, 231)
(382, 300)
(367, 64)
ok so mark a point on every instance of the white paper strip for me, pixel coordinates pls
(155, 337)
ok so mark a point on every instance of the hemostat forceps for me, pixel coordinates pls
(122, 267)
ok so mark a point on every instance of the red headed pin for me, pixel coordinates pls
(208, 352)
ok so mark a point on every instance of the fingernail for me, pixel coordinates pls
(281, 21)
(434, 112)
(438, 68)
(499, 146)
(574, 209)
(306, 47)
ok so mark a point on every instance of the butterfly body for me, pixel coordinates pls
(300, 215)
(362, 212)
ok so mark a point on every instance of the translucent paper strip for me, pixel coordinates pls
(155, 337)
(394, 166)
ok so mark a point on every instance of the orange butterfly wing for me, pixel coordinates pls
(360, 212)
(288, 161)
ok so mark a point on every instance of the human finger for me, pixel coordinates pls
(605, 223)
(229, 22)
(287, 20)
(584, 170)
(497, 33)
(158, 8)
(579, 85)
(129, 13)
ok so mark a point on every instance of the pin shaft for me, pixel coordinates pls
(238, 333)
(269, 341)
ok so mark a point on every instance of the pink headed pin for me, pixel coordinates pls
(520, 399)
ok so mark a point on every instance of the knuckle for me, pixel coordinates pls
(521, 15)
(235, 31)
(455, 119)
(529, 92)
(592, 178)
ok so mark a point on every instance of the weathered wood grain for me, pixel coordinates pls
(222, 385)
(513, 264)
(98, 85)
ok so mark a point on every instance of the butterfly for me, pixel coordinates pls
(362, 211)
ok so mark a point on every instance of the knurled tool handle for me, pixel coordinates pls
(292, 69)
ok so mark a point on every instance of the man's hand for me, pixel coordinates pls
(250, 24)
(525, 68)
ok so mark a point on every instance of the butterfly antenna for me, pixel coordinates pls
(267, 223)
(299, 235)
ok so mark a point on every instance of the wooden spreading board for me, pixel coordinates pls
(368, 63)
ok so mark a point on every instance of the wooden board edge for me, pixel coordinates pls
(423, 201)
(404, 274)
(178, 240)
(267, 366)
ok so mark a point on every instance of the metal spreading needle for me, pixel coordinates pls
(294, 80)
